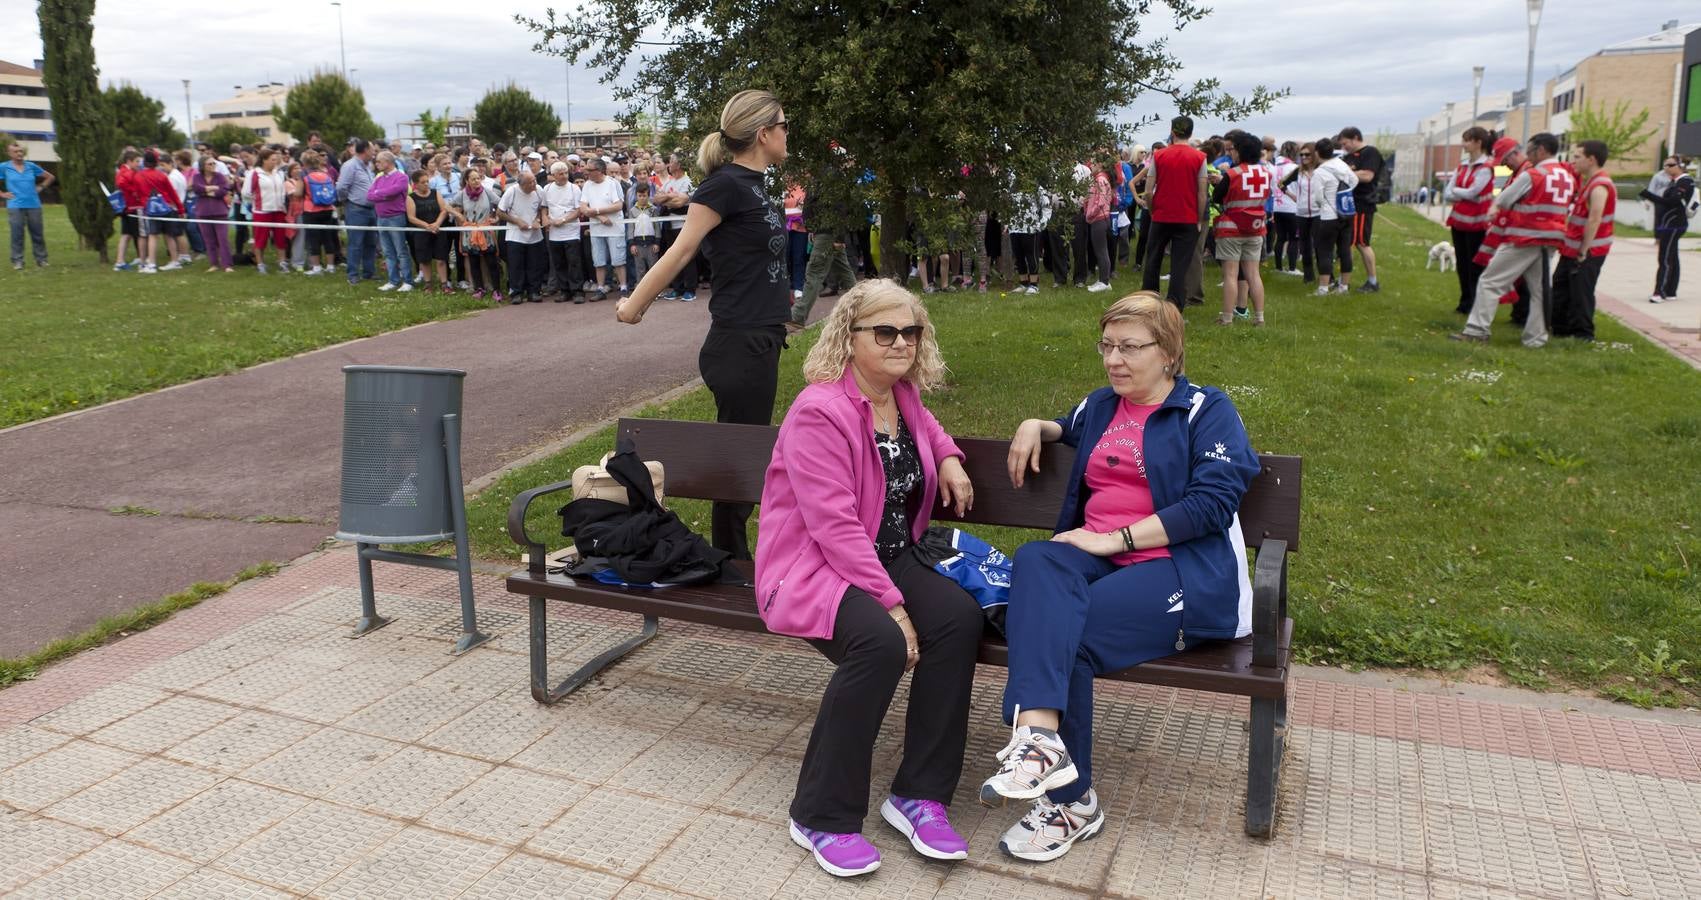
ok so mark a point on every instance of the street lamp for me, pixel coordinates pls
(1535, 9)
(342, 48)
(1447, 153)
(188, 116)
(1476, 91)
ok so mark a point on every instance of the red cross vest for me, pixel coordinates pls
(1243, 205)
(1472, 215)
(1580, 217)
(1538, 218)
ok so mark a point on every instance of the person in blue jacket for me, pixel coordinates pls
(1147, 560)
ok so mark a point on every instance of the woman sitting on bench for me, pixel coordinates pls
(854, 474)
(1147, 561)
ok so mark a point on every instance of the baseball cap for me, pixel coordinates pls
(1502, 147)
(534, 155)
(573, 156)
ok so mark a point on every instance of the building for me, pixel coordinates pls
(587, 133)
(1438, 146)
(1688, 132)
(459, 134)
(250, 108)
(25, 113)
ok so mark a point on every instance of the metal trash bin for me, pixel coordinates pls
(401, 477)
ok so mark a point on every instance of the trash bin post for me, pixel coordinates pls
(470, 636)
(369, 618)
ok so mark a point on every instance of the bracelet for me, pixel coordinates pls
(1127, 540)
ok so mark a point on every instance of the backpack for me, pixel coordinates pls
(978, 568)
(322, 191)
(158, 206)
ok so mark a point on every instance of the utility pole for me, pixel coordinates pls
(342, 48)
(1535, 10)
(1476, 91)
(189, 116)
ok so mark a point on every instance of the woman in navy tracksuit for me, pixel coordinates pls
(1147, 560)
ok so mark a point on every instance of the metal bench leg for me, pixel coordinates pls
(1263, 765)
(370, 621)
(541, 691)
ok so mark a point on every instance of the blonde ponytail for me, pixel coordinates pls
(743, 116)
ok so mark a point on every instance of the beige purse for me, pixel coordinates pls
(594, 482)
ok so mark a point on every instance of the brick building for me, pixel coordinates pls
(25, 113)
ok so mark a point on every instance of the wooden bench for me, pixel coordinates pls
(710, 461)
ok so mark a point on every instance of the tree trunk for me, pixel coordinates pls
(894, 213)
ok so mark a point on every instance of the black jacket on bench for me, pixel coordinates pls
(643, 543)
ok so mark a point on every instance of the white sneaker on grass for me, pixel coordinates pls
(1097, 287)
(283, 266)
(172, 266)
(1050, 829)
(386, 286)
(148, 269)
(260, 267)
(404, 288)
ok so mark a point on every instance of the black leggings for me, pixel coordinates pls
(741, 367)
(320, 241)
(1665, 277)
(1325, 237)
(868, 649)
(1286, 240)
(1302, 237)
(1465, 247)
(1023, 247)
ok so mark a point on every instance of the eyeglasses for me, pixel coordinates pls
(782, 125)
(1672, 163)
(1128, 349)
(885, 335)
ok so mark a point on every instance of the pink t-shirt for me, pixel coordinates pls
(1116, 475)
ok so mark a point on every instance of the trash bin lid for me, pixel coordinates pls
(407, 370)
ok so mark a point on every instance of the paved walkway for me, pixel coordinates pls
(249, 748)
(213, 455)
(1627, 278)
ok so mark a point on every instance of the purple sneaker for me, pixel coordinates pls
(925, 824)
(843, 855)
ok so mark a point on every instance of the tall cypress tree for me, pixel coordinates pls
(84, 130)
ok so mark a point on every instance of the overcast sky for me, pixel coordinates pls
(1376, 65)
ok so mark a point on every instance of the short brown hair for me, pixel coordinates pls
(1160, 317)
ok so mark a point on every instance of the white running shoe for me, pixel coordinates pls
(1320, 292)
(404, 288)
(1034, 762)
(1097, 287)
(1656, 298)
(283, 266)
(1050, 829)
(148, 269)
(386, 286)
(260, 267)
(172, 266)
(316, 270)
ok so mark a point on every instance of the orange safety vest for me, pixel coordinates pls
(1472, 215)
(1537, 219)
(1580, 217)
(1243, 205)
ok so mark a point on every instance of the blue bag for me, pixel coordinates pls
(158, 207)
(322, 192)
(1344, 204)
(978, 567)
(115, 199)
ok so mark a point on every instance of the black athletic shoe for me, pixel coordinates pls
(1369, 287)
(579, 300)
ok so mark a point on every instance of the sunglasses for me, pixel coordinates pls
(886, 335)
(782, 125)
(1673, 163)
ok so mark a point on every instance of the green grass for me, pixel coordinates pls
(112, 628)
(1466, 506)
(78, 334)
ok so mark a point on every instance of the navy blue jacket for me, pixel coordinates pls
(1199, 463)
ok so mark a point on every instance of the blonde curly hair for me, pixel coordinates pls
(832, 351)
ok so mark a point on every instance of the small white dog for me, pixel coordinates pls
(1442, 253)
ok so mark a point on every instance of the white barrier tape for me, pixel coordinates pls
(343, 227)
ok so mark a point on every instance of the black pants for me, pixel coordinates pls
(569, 278)
(686, 281)
(1325, 241)
(1181, 239)
(1465, 247)
(1285, 240)
(741, 367)
(481, 265)
(1665, 277)
(1022, 247)
(1574, 297)
(1145, 229)
(527, 265)
(1302, 237)
(868, 649)
(1056, 257)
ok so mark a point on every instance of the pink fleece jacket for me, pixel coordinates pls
(822, 499)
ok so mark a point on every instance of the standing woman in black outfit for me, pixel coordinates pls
(742, 233)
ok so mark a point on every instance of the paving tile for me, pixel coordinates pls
(764, 792)
(1631, 745)
(211, 884)
(1203, 739)
(260, 681)
(586, 750)
(1606, 800)
(496, 729)
(1506, 851)
(415, 710)
(316, 764)
(331, 697)
(1380, 831)
(1089, 860)
(410, 783)
(278, 630)
(1158, 861)
(691, 772)
(101, 708)
(241, 741)
(797, 675)
(1335, 760)
(1643, 866)
(755, 724)
(417, 863)
(644, 701)
(110, 871)
(58, 773)
(35, 845)
(21, 742)
(525, 877)
(401, 658)
(1174, 794)
(164, 724)
(722, 856)
(328, 604)
(193, 668)
(706, 662)
(1307, 876)
(613, 831)
(506, 805)
(971, 883)
(133, 796)
(215, 822)
(485, 669)
(1448, 889)
(903, 874)
(637, 890)
(1374, 712)
(1494, 782)
(308, 847)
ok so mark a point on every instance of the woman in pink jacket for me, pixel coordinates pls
(855, 473)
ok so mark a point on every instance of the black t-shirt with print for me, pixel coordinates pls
(1368, 158)
(746, 250)
(903, 478)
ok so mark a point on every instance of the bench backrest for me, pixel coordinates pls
(715, 461)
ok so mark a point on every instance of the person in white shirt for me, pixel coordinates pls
(521, 207)
(673, 198)
(562, 201)
(1296, 186)
(1329, 228)
(604, 202)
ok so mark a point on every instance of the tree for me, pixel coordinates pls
(80, 120)
(139, 120)
(436, 128)
(225, 133)
(1621, 132)
(325, 102)
(1016, 91)
(510, 115)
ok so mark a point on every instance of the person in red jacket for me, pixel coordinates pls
(1241, 229)
(1588, 239)
(151, 181)
(129, 227)
(1535, 206)
(1472, 194)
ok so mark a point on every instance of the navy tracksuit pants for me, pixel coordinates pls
(1072, 616)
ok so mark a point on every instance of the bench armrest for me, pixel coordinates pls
(535, 563)
(1269, 600)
